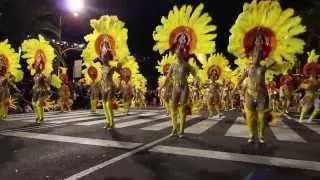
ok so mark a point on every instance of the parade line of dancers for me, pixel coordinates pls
(194, 78)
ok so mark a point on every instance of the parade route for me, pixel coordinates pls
(140, 148)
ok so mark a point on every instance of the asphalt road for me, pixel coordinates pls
(74, 145)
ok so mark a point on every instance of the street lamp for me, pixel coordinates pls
(75, 6)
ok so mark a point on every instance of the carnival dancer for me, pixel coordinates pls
(263, 34)
(129, 69)
(213, 75)
(108, 43)
(140, 87)
(195, 88)
(185, 33)
(286, 92)
(310, 85)
(9, 74)
(64, 91)
(163, 68)
(93, 74)
(39, 55)
(273, 93)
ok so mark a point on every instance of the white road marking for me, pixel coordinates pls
(24, 115)
(164, 125)
(133, 123)
(114, 160)
(90, 123)
(74, 120)
(246, 158)
(202, 126)
(284, 133)
(70, 139)
(313, 127)
(237, 130)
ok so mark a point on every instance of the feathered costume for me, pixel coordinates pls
(264, 34)
(310, 86)
(39, 55)
(195, 99)
(140, 89)
(286, 91)
(129, 69)
(186, 32)
(64, 91)
(214, 73)
(9, 73)
(163, 68)
(108, 43)
(93, 74)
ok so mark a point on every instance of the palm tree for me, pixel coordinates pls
(310, 16)
(36, 18)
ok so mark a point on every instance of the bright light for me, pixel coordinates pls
(75, 6)
(76, 14)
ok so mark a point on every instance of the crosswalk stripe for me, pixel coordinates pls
(202, 126)
(246, 158)
(81, 119)
(313, 127)
(158, 127)
(164, 125)
(148, 114)
(133, 123)
(238, 129)
(53, 118)
(281, 131)
(139, 121)
(70, 139)
(74, 113)
(284, 133)
(47, 116)
(50, 113)
(90, 123)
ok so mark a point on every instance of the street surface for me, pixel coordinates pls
(74, 145)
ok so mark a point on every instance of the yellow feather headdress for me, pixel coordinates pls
(140, 82)
(165, 63)
(34, 47)
(112, 29)
(313, 57)
(161, 80)
(217, 61)
(192, 23)
(279, 27)
(11, 60)
(92, 71)
(195, 66)
(129, 67)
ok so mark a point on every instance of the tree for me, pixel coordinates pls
(34, 17)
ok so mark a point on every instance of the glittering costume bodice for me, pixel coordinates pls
(127, 91)
(94, 90)
(214, 88)
(214, 91)
(64, 90)
(256, 82)
(41, 87)
(285, 91)
(106, 81)
(180, 74)
(4, 88)
(310, 86)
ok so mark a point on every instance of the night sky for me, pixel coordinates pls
(141, 18)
